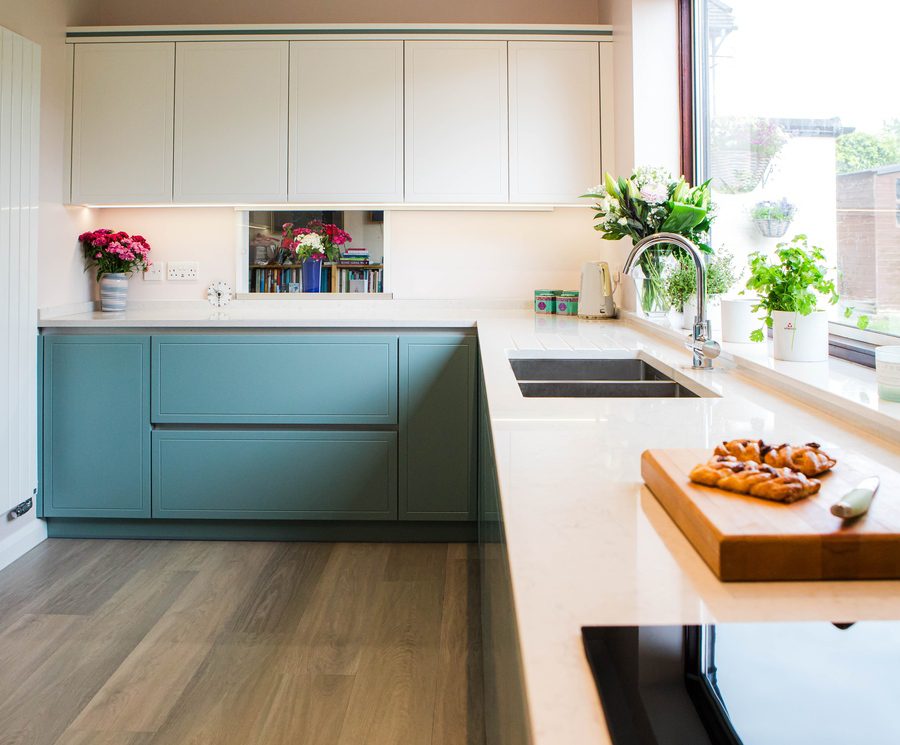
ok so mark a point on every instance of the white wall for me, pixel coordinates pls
(61, 279)
(59, 264)
(433, 254)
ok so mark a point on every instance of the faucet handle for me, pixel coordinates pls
(710, 349)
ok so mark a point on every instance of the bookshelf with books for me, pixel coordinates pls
(276, 261)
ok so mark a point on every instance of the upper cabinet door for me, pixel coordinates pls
(346, 121)
(554, 120)
(456, 122)
(122, 123)
(231, 121)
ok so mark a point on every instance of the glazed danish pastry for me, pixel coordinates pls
(751, 478)
(808, 459)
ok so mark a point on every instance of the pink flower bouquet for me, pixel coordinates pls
(330, 239)
(115, 252)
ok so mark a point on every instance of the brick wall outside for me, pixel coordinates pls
(887, 242)
(856, 230)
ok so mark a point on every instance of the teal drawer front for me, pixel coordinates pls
(274, 475)
(261, 379)
(95, 426)
(438, 427)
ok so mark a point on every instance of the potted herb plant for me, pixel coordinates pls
(789, 289)
(117, 256)
(681, 287)
(773, 219)
(652, 201)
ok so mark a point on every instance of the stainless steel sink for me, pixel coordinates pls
(628, 377)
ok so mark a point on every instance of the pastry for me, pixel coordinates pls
(754, 479)
(808, 459)
(742, 449)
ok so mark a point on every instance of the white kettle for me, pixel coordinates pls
(596, 297)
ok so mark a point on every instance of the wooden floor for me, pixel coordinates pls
(190, 643)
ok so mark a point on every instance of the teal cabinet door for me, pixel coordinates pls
(275, 475)
(275, 379)
(438, 427)
(95, 432)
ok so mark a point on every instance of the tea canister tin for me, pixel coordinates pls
(544, 301)
(567, 303)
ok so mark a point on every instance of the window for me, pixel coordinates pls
(799, 128)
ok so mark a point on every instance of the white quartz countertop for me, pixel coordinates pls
(588, 544)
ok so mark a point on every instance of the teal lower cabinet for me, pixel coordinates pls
(272, 475)
(304, 378)
(95, 426)
(438, 427)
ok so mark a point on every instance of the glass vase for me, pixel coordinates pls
(312, 274)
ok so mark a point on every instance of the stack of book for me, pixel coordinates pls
(355, 256)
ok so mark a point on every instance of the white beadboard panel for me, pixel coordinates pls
(456, 122)
(20, 76)
(231, 121)
(554, 121)
(346, 121)
(122, 120)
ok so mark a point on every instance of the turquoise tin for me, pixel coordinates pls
(544, 301)
(567, 303)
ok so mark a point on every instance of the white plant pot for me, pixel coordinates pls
(738, 320)
(676, 318)
(800, 338)
(713, 313)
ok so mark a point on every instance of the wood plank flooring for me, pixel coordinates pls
(233, 643)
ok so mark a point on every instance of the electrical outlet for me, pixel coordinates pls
(183, 271)
(156, 272)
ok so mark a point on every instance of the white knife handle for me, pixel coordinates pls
(853, 504)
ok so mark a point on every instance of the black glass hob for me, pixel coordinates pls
(749, 684)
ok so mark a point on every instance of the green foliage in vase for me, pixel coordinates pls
(652, 201)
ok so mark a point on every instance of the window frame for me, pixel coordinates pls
(852, 343)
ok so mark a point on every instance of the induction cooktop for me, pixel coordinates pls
(749, 684)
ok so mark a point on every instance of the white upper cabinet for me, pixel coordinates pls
(231, 121)
(554, 121)
(346, 121)
(122, 123)
(456, 122)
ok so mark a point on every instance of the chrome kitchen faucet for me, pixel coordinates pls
(704, 348)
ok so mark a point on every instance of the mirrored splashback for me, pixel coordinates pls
(353, 241)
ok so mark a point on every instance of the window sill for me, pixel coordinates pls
(837, 387)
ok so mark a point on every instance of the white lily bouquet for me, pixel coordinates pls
(652, 201)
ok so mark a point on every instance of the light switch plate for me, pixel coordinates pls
(156, 272)
(183, 271)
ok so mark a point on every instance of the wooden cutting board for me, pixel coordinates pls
(746, 538)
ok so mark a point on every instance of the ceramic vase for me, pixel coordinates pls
(113, 292)
(799, 338)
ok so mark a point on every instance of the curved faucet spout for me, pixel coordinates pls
(674, 239)
(704, 348)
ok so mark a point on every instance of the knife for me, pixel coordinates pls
(856, 502)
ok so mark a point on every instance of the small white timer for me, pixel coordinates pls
(219, 294)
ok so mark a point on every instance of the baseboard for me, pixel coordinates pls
(264, 530)
(22, 541)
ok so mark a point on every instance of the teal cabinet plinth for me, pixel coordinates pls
(275, 474)
(438, 427)
(95, 420)
(275, 379)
